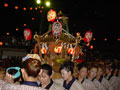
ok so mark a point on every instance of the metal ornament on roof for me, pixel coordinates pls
(57, 28)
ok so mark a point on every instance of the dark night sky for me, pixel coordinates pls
(100, 16)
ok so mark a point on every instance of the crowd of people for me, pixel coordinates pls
(35, 75)
(10, 41)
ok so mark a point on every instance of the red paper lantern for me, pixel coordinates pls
(58, 49)
(71, 51)
(88, 36)
(43, 50)
(27, 34)
(5, 5)
(51, 15)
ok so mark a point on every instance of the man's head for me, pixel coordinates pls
(31, 68)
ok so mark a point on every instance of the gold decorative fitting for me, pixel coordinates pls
(36, 36)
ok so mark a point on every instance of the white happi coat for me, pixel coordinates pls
(74, 86)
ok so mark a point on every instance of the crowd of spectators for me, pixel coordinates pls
(10, 41)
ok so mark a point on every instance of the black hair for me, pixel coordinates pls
(68, 65)
(32, 67)
(81, 65)
(47, 68)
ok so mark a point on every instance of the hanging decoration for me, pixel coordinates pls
(71, 50)
(27, 34)
(44, 48)
(51, 15)
(58, 49)
(57, 28)
(88, 36)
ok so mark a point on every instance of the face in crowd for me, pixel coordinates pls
(66, 70)
(46, 74)
(82, 70)
(92, 72)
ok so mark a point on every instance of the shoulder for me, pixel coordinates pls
(59, 81)
(77, 86)
(20, 87)
(2, 83)
(56, 86)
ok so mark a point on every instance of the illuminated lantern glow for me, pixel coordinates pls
(71, 51)
(57, 28)
(47, 3)
(33, 18)
(5, 5)
(105, 39)
(51, 15)
(27, 34)
(36, 8)
(17, 29)
(24, 8)
(43, 50)
(58, 49)
(118, 39)
(16, 7)
(1, 43)
(31, 8)
(91, 47)
(24, 24)
(42, 7)
(41, 11)
(38, 1)
(88, 36)
(7, 33)
(94, 39)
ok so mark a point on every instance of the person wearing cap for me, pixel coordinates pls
(45, 79)
(30, 70)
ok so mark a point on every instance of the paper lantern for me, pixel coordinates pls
(58, 49)
(71, 51)
(27, 34)
(57, 28)
(88, 36)
(91, 47)
(43, 50)
(16, 7)
(51, 15)
(5, 5)
(1, 43)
